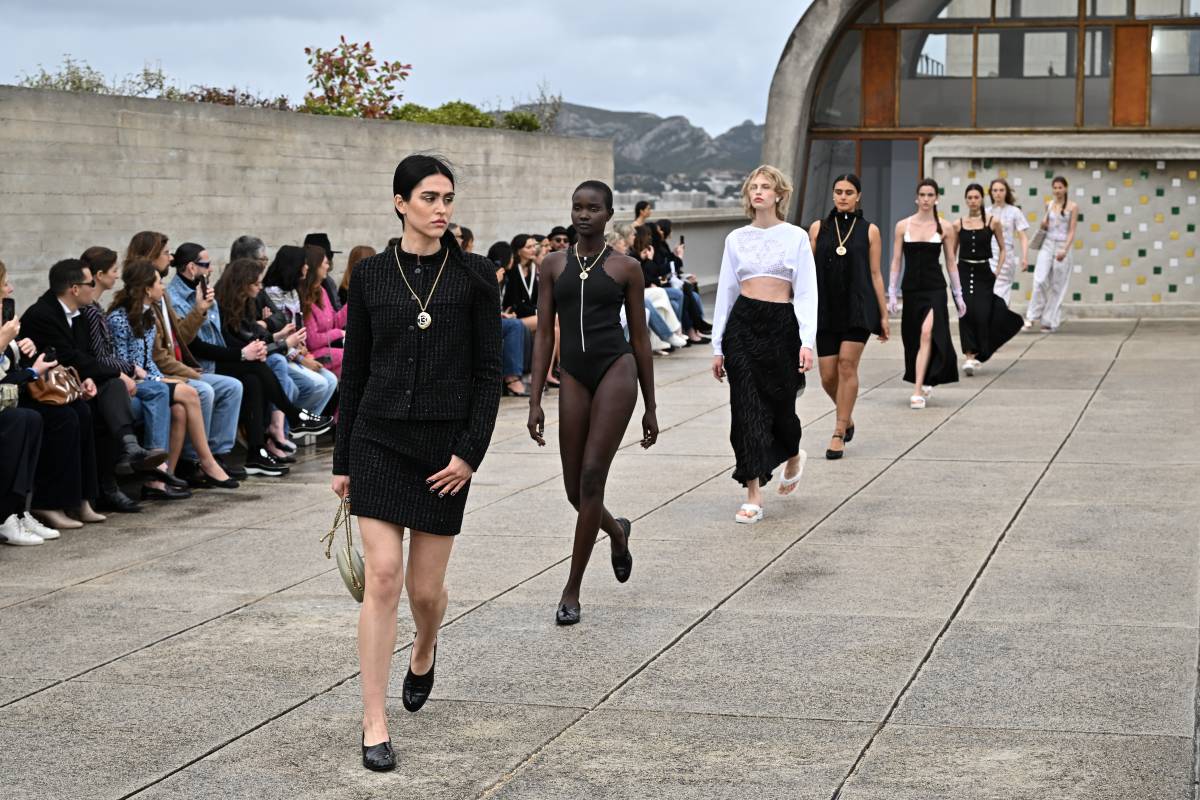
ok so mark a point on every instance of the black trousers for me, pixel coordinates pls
(66, 465)
(20, 442)
(112, 421)
(260, 390)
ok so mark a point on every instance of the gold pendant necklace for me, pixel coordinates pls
(583, 271)
(424, 319)
(841, 248)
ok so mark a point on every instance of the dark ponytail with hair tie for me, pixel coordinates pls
(937, 191)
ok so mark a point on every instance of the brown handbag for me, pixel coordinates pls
(57, 387)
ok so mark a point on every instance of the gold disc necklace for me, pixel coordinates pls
(841, 248)
(424, 320)
(583, 271)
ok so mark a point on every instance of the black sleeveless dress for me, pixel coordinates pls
(988, 323)
(589, 320)
(924, 288)
(846, 297)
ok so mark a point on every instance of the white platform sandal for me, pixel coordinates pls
(916, 401)
(789, 483)
(748, 514)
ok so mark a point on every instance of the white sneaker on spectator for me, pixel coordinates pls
(33, 525)
(678, 340)
(12, 532)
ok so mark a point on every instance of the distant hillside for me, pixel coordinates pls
(648, 144)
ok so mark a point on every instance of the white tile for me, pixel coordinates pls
(1079, 192)
(1189, 280)
(1142, 226)
(1096, 173)
(1174, 262)
(1158, 245)
(1161, 165)
(1124, 287)
(1176, 182)
(1017, 181)
(1112, 191)
(955, 181)
(1033, 164)
(1109, 269)
(1192, 200)
(1095, 251)
(1128, 210)
(1078, 268)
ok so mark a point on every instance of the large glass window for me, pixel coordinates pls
(839, 103)
(1155, 9)
(1109, 8)
(1174, 70)
(1097, 78)
(1037, 9)
(1026, 79)
(935, 78)
(827, 158)
(926, 10)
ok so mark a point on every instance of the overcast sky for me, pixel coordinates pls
(710, 60)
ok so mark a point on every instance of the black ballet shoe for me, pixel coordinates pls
(834, 455)
(511, 392)
(623, 564)
(417, 687)
(379, 757)
(567, 615)
(849, 435)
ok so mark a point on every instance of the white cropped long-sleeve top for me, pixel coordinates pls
(781, 251)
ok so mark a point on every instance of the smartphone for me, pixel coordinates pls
(203, 283)
(51, 354)
(9, 312)
(681, 238)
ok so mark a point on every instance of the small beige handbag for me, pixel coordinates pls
(349, 560)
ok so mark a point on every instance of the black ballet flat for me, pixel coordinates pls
(417, 687)
(849, 435)
(834, 455)
(508, 391)
(623, 564)
(567, 615)
(379, 757)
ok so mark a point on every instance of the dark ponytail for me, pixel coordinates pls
(409, 173)
(937, 190)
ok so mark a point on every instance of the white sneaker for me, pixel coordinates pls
(33, 525)
(12, 532)
(969, 367)
(678, 341)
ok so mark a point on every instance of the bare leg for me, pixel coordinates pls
(830, 372)
(178, 430)
(608, 414)
(190, 401)
(753, 496)
(847, 395)
(383, 555)
(924, 352)
(428, 556)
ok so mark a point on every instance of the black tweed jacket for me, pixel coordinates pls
(391, 369)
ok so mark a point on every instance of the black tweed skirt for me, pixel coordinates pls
(762, 360)
(390, 461)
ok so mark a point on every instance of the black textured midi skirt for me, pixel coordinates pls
(390, 461)
(762, 360)
(943, 360)
(988, 323)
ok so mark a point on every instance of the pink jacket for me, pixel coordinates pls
(324, 326)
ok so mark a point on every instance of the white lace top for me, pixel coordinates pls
(781, 251)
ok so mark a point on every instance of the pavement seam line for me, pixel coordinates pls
(507, 778)
(837, 792)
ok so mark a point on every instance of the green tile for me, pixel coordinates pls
(1049, 174)
(1145, 174)
(941, 191)
(954, 209)
(1141, 252)
(1108, 297)
(1095, 199)
(1126, 235)
(1080, 217)
(1033, 192)
(1191, 227)
(1175, 211)
(1076, 296)
(1093, 279)
(987, 163)
(1112, 217)
(1158, 270)
(1016, 285)
(1031, 268)
(1172, 287)
(1159, 192)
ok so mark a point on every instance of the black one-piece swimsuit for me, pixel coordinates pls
(589, 314)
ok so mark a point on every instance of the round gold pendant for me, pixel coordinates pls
(424, 320)
(583, 276)
(841, 250)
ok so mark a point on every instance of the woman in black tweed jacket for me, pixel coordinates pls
(420, 390)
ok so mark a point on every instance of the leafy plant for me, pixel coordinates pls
(79, 76)
(521, 121)
(348, 81)
(455, 112)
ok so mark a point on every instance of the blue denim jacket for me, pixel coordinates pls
(183, 297)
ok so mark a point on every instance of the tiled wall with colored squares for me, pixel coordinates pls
(1135, 241)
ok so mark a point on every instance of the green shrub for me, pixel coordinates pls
(456, 112)
(521, 121)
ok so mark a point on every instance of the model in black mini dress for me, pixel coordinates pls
(586, 286)
(929, 356)
(420, 390)
(988, 323)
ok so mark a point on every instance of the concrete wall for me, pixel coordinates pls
(80, 170)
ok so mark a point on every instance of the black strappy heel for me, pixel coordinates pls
(834, 455)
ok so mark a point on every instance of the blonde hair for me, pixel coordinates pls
(779, 182)
(3, 274)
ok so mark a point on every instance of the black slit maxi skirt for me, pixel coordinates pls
(988, 323)
(762, 360)
(943, 360)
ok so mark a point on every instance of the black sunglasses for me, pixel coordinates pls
(91, 283)
(204, 264)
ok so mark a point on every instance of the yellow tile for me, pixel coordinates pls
(1003, 173)
(1110, 245)
(1156, 298)
(1158, 217)
(1028, 296)
(1191, 174)
(1083, 165)
(1143, 199)
(1174, 236)
(1033, 217)
(1141, 280)
(1095, 227)
(1112, 165)
(1190, 252)
(1046, 198)
(1128, 181)
(1079, 244)
(1125, 261)
(970, 173)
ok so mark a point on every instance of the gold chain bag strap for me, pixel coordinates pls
(59, 386)
(349, 561)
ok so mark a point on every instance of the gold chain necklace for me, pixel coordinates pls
(841, 248)
(583, 271)
(424, 320)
